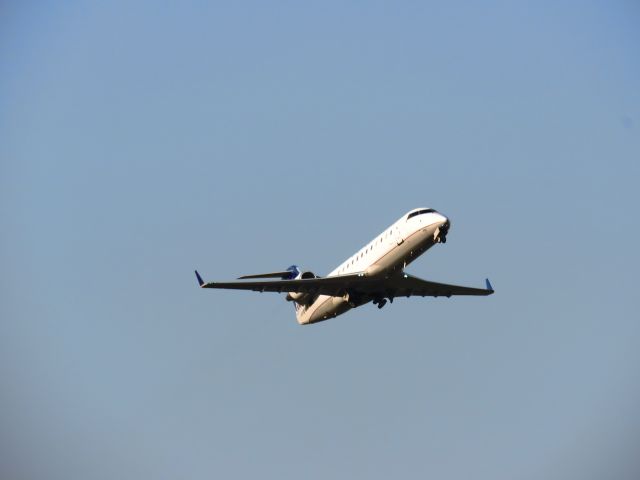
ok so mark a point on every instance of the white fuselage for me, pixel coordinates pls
(387, 254)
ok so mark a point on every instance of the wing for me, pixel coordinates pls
(403, 285)
(407, 285)
(333, 286)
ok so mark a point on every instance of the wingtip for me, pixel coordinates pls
(488, 283)
(200, 281)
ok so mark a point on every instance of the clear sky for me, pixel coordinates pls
(140, 140)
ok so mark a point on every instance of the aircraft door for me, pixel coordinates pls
(397, 235)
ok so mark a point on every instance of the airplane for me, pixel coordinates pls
(374, 274)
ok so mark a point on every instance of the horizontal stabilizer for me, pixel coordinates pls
(289, 274)
(267, 275)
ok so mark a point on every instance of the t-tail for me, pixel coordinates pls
(301, 300)
(291, 273)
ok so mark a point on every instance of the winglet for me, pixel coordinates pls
(200, 282)
(489, 287)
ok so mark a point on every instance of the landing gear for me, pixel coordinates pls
(443, 230)
(380, 302)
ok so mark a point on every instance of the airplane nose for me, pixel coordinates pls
(441, 219)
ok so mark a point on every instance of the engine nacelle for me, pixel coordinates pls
(302, 298)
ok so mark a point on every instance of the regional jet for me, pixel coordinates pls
(374, 274)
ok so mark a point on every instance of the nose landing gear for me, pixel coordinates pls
(442, 232)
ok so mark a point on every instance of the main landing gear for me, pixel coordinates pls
(381, 302)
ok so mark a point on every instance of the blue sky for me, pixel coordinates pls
(139, 141)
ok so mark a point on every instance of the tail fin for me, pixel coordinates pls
(291, 273)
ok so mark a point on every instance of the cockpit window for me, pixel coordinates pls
(420, 212)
